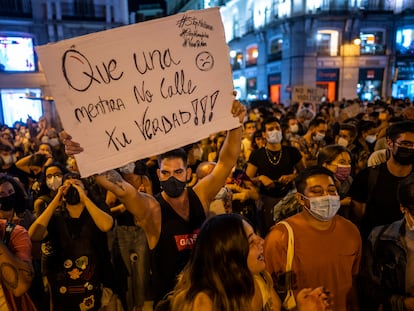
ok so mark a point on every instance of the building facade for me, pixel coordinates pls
(350, 49)
(358, 48)
(25, 24)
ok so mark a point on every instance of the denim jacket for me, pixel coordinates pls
(382, 277)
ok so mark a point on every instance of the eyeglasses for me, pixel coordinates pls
(48, 176)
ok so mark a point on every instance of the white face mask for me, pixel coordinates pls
(318, 136)
(274, 137)
(8, 159)
(323, 208)
(371, 138)
(343, 142)
(294, 128)
(53, 183)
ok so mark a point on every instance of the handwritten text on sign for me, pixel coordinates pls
(140, 90)
(302, 94)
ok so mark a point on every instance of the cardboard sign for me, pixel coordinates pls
(140, 90)
(305, 94)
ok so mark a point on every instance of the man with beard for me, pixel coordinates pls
(171, 220)
(374, 190)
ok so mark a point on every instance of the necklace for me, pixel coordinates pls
(273, 159)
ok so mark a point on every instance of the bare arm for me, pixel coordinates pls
(210, 185)
(137, 203)
(102, 220)
(38, 229)
(16, 274)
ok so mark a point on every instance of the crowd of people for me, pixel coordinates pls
(306, 207)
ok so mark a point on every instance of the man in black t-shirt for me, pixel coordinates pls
(272, 168)
(374, 190)
(171, 219)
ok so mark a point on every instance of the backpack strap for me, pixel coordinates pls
(7, 232)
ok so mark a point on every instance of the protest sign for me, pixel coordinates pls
(306, 94)
(140, 90)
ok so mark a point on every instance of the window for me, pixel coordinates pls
(19, 104)
(372, 42)
(252, 53)
(405, 41)
(276, 46)
(327, 42)
(17, 54)
(236, 59)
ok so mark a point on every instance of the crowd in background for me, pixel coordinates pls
(279, 142)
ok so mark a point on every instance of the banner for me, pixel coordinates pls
(135, 91)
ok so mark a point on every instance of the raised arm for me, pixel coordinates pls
(102, 220)
(137, 203)
(38, 229)
(210, 185)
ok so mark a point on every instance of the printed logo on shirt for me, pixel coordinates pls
(186, 241)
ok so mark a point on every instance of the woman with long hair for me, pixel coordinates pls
(226, 271)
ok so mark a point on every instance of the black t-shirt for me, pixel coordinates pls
(289, 158)
(174, 246)
(76, 260)
(382, 205)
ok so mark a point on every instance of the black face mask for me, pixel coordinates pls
(72, 196)
(8, 203)
(173, 187)
(404, 156)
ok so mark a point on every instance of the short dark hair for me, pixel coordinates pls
(248, 122)
(316, 122)
(405, 192)
(351, 128)
(175, 153)
(303, 176)
(71, 175)
(268, 121)
(329, 153)
(397, 128)
(6, 148)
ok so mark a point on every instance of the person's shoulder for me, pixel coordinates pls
(279, 231)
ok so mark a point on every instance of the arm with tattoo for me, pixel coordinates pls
(137, 203)
(16, 272)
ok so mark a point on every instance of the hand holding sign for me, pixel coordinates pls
(72, 148)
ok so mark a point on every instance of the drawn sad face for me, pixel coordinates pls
(204, 61)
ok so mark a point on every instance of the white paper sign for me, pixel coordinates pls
(143, 89)
(305, 94)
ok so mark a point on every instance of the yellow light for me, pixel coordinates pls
(357, 41)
